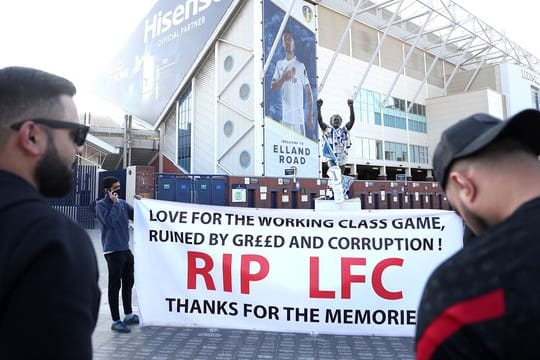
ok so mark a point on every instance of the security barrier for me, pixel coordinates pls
(253, 192)
(197, 189)
(79, 204)
(266, 192)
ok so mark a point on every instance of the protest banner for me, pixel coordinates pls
(355, 273)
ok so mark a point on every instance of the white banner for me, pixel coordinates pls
(356, 273)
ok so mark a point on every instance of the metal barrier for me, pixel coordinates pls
(79, 204)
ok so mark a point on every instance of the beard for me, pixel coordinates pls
(53, 176)
(476, 223)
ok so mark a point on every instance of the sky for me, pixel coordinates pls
(76, 38)
(517, 20)
(72, 38)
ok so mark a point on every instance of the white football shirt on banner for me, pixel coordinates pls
(292, 91)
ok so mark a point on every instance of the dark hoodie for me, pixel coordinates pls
(49, 293)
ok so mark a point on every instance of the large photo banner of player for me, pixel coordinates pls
(290, 90)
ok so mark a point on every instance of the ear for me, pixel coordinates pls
(465, 186)
(31, 139)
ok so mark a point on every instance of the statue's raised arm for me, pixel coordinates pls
(350, 124)
(322, 124)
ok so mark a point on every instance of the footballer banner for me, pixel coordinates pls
(290, 89)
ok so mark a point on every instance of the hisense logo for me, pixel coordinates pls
(162, 22)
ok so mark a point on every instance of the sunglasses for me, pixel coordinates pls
(78, 131)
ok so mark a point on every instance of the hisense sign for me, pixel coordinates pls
(161, 22)
(145, 75)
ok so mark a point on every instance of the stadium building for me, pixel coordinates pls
(199, 74)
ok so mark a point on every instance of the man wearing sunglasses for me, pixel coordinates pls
(49, 293)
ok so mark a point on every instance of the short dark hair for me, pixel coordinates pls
(109, 181)
(287, 31)
(30, 92)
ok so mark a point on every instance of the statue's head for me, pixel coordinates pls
(335, 121)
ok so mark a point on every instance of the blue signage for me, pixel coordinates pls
(145, 75)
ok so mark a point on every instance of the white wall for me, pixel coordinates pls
(235, 44)
(217, 102)
(447, 110)
(516, 84)
(169, 135)
(204, 119)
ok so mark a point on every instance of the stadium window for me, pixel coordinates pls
(184, 130)
(377, 118)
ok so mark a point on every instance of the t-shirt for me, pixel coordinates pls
(292, 90)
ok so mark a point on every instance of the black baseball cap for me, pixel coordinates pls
(474, 133)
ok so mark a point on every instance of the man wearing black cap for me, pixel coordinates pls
(484, 302)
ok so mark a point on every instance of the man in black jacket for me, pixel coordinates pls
(484, 302)
(49, 295)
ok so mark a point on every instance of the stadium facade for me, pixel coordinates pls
(201, 72)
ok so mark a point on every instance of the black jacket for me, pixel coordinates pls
(484, 302)
(49, 294)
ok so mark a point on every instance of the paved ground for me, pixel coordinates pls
(163, 343)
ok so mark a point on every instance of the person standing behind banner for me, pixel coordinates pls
(484, 302)
(337, 137)
(290, 75)
(114, 214)
(49, 292)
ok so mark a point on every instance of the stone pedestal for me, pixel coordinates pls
(330, 205)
